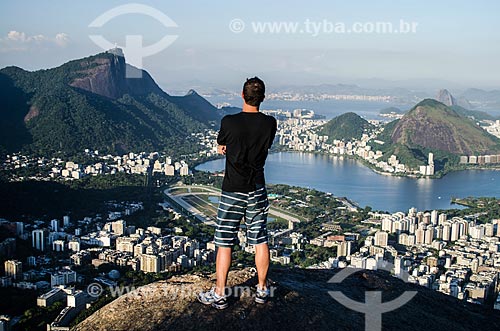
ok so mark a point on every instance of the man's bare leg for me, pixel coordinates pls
(222, 265)
(262, 263)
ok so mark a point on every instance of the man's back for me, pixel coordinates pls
(247, 136)
(244, 138)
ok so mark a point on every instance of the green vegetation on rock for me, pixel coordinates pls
(347, 126)
(90, 103)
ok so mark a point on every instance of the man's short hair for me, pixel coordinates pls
(254, 91)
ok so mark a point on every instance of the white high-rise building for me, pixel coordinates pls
(434, 217)
(438, 232)
(169, 170)
(381, 238)
(139, 249)
(412, 228)
(54, 224)
(420, 236)
(77, 299)
(74, 245)
(344, 248)
(442, 218)
(411, 240)
(66, 221)
(429, 235)
(398, 266)
(63, 277)
(398, 226)
(428, 170)
(157, 166)
(477, 232)
(150, 263)
(184, 170)
(371, 263)
(455, 231)
(489, 229)
(58, 245)
(446, 231)
(387, 225)
(403, 239)
(38, 239)
(13, 268)
(118, 227)
(31, 261)
(464, 228)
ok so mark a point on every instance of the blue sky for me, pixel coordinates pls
(456, 42)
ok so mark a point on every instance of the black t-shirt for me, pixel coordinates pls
(247, 137)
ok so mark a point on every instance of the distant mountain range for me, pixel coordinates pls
(392, 110)
(90, 103)
(483, 99)
(445, 97)
(473, 99)
(462, 106)
(430, 126)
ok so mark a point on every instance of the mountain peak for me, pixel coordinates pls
(191, 92)
(106, 74)
(431, 105)
(347, 126)
(430, 102)
(91, 103)
(301, 300)
(444, 96)
(116, 51)
(433, 125)
(448, 99)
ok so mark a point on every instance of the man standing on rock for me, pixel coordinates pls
(245, 139)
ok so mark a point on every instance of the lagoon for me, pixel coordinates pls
(349, 178)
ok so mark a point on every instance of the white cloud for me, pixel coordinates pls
(62, 39)
(20, 41)
(17, 36)
(38, 38)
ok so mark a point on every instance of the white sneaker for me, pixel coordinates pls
(261, 296)
(213, 299)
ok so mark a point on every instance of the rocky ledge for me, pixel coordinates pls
(301, 301)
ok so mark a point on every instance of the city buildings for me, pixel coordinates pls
(49, 298)
(13, 269)
(39, 239)
(62, 277)
(132, 163)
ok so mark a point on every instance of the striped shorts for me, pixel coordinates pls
(233, 206)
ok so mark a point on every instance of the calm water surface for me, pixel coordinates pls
(350, 178)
